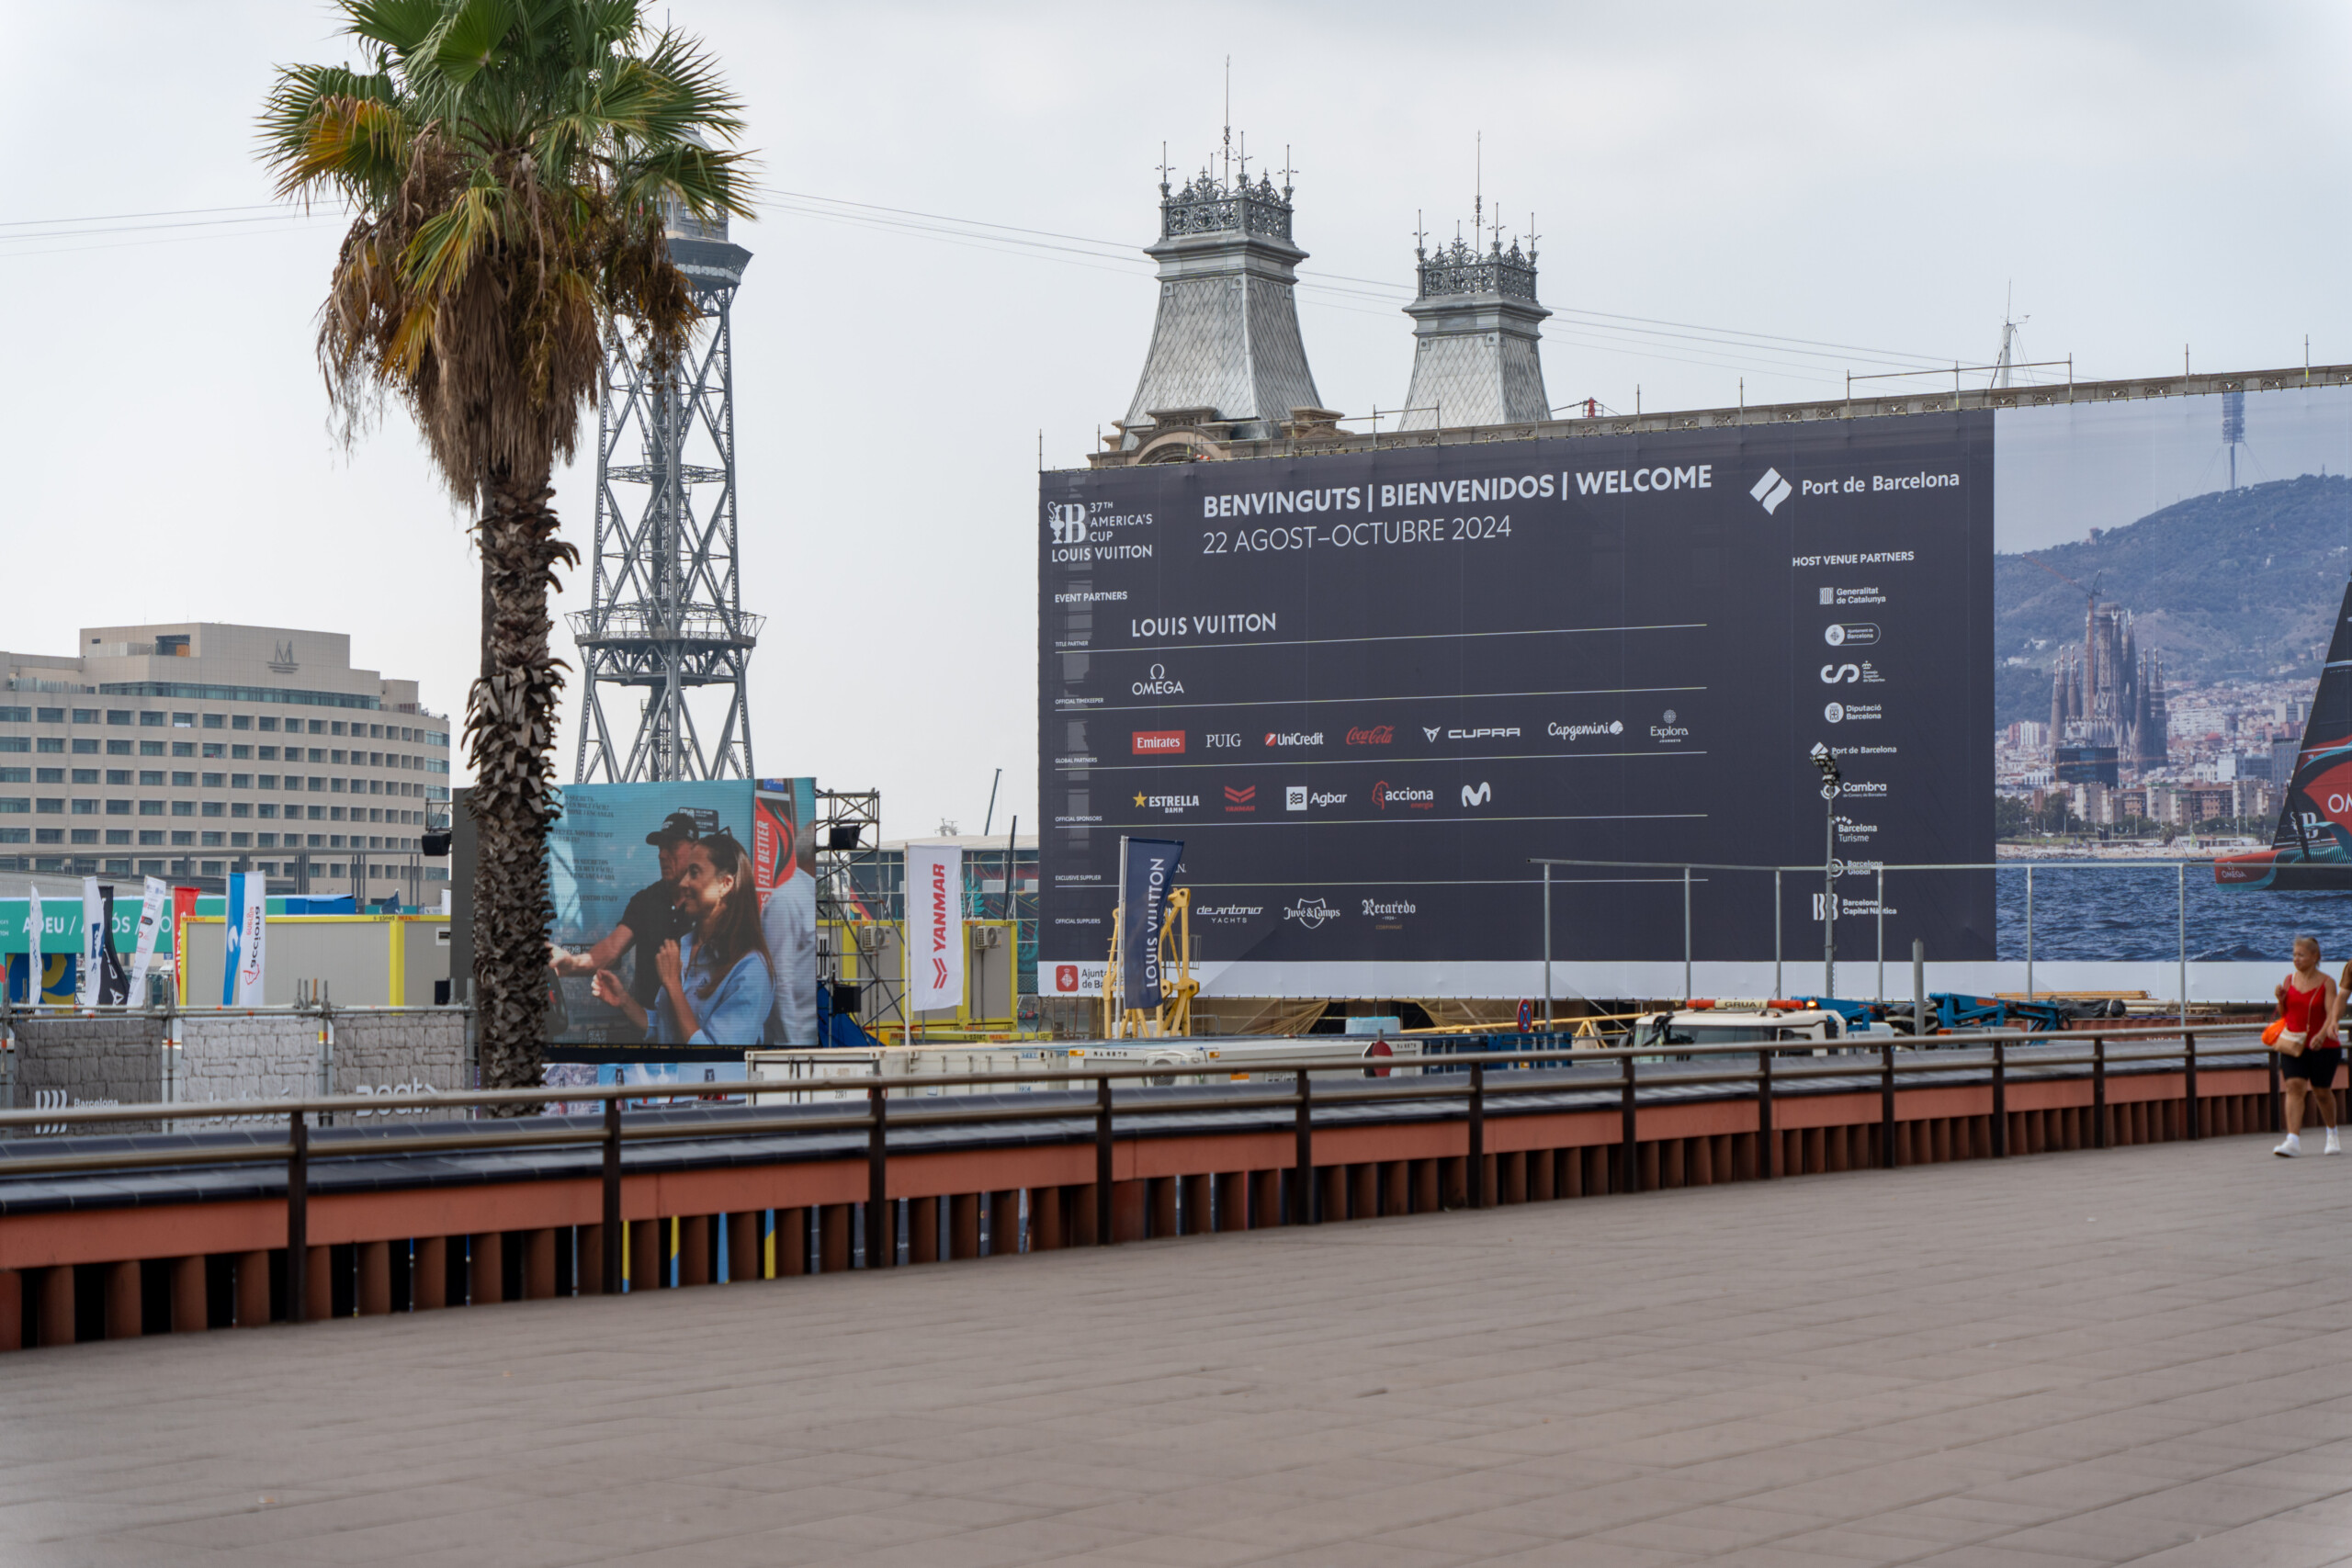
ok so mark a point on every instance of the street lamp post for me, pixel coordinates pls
(1830, 788)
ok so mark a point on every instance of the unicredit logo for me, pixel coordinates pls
(1376, 735)
(1158, 742)
(1294, 737)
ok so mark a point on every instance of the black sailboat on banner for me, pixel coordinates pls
(2310, 848)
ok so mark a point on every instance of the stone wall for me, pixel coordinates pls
(229, 1057)
(62, 1062)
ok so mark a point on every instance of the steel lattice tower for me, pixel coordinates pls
(664, 616)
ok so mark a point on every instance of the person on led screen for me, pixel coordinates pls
(652, 918)
(717, 988)
(788, 924)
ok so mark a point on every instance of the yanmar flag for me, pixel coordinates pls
(1147, 873)
(935, 927)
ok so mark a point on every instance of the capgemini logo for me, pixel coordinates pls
(1772, 490)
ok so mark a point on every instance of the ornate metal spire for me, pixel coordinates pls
(1225, 361)
(1476, 331)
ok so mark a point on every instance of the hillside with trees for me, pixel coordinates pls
(2239, 585)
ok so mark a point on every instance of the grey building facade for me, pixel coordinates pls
(1478, 355)
(194, 750)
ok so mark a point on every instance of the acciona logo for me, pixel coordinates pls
(1771, 491)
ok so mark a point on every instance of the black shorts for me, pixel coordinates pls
(2313, 1067)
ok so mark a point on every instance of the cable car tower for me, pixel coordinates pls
(663, 617)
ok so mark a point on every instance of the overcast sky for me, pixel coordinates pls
(1873, 178)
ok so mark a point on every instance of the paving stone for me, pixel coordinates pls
(1949, 1365)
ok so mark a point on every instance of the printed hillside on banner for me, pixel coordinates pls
(685, 914)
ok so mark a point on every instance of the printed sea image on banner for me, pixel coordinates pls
(660, 935)
(2169, 574)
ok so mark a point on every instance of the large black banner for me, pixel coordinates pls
(1370, 688)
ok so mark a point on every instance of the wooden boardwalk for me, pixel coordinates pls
(2138, 1356)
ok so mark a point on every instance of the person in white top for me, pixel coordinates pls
(788, 923)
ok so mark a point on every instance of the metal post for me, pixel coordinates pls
(1881, 931)
(2000, 1100)
(1302, 1202)
(1103, 1161)
(611, 1262)
(1918, 988)
(1886, 1105)
(297, 1220)
(2099, 1091)
(2195, 1131)
(2181, 872)
(2028, 931)
(1686, 934)
(881, 1232)
(1628, 1151)
(1479, 1197)
(1778, 992)
(1829, 891)
(1767, 1146)
(1547, 949)
(2277, 1113)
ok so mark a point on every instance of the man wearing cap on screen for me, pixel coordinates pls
(650, 919)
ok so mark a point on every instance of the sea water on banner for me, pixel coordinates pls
(1367, 689)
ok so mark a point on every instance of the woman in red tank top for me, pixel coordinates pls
(2308, 1004)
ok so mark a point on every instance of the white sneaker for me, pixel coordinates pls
(2334, 1145)
(2289, 1149)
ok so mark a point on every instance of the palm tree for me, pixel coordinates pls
(509, 163)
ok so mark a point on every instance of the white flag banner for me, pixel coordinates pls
(241, 970)
(143, 947)
(935, 927)
(93, 945)
(32, 937)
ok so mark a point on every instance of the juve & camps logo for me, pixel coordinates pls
(1310, 914)
(1772, 490)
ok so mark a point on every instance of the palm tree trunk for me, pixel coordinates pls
(510, 726)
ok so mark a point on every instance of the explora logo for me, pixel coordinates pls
(1772, 490)
(1477, 795)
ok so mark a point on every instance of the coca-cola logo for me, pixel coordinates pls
(1372, 734)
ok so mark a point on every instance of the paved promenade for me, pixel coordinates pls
(2141, 1355)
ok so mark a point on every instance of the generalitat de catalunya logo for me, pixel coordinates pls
(1772, 490)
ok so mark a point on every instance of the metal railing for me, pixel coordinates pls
(1830, 899)
(1465, 1079)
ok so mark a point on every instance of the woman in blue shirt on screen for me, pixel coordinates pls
(715, 986)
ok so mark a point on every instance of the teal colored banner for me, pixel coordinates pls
(62, 923)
